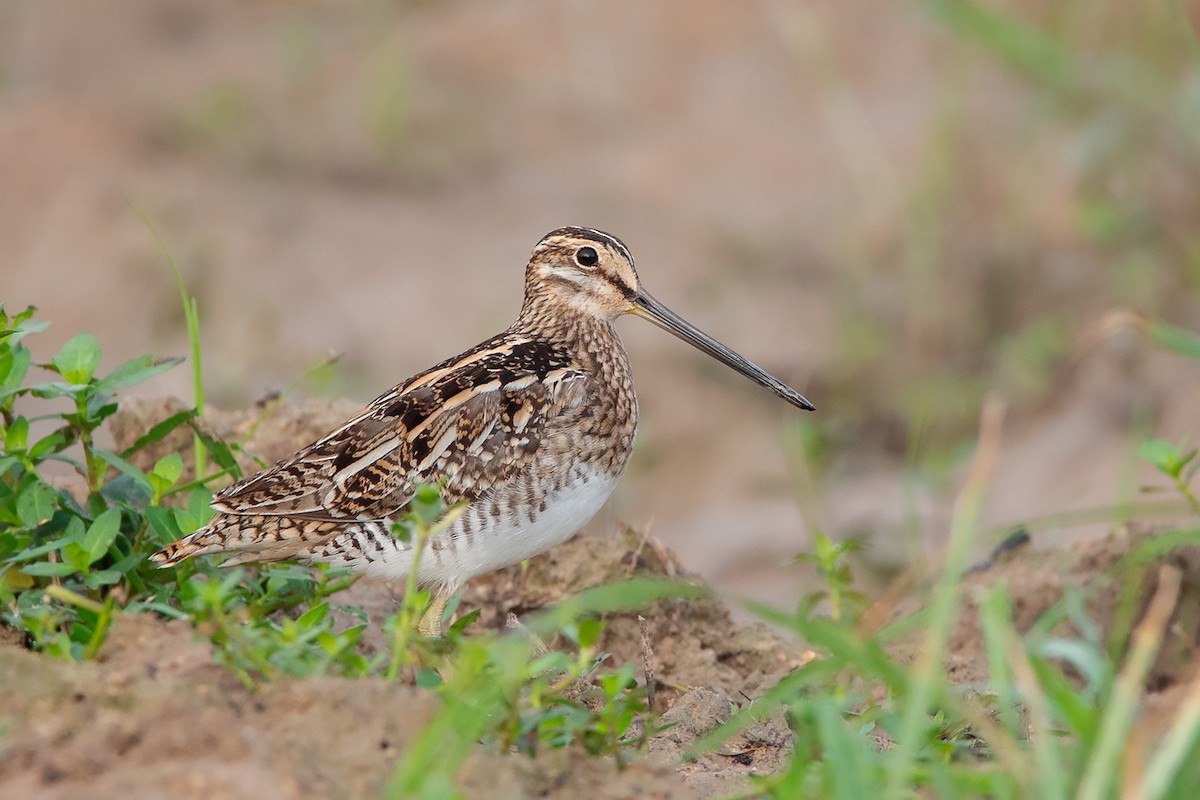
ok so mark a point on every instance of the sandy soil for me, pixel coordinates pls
(155, 717)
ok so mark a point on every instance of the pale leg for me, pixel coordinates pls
(431, 624)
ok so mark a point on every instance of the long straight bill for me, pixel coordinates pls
(646, 307)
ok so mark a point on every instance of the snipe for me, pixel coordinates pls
(530, 429)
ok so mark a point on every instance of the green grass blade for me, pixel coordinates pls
(191, 315)
(1170, 757)
(1019, 44)
(1049, 778)
(848, 753)
(1100, 777)
(928, 674)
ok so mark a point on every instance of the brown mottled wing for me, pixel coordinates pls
(467, 423)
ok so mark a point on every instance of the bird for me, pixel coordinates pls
(527, 434)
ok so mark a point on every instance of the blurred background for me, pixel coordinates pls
(897, 207)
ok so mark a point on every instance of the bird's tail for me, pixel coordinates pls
(247, 538)
(215, 537)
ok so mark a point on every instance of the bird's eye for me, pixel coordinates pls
(587, 257)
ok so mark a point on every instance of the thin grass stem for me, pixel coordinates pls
(928, 675)
(1103, 766)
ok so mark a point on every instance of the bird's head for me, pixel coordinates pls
(585, 270)
(590, 273)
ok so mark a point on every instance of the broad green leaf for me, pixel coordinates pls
(123, 491)
(165, 473)
(48, 444)
(198, 512)
(75, 463)
(98, 408)
(169, 467)
(186, 522)
(10, 542)
(13, 374)
(128, 562)
(101, 533)
(39, 550)
(102, 577)
(7, 463)
(48, 391)
(1164, 455)
(135, 371)
(428, 678)
(589, 630)
(75, 530)
(24, 326)
(219, 452)
(314, 615)
(125, 468)
(163, 526)
(48, 569)
(76, 555)
(78, 359)
(158, 432)
(462, 622)
(16, 579)
(17, 435)
(36, 503)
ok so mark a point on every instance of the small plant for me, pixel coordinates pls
(514, 695)
(73, 548)
(73, 551)
(831, 560)
(240, 611)
(1177, 462)
(568, 701)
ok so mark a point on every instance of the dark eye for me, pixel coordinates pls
(587, 257)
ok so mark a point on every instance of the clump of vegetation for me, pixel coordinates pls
(73, 546)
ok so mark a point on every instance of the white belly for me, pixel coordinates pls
(480, 542)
